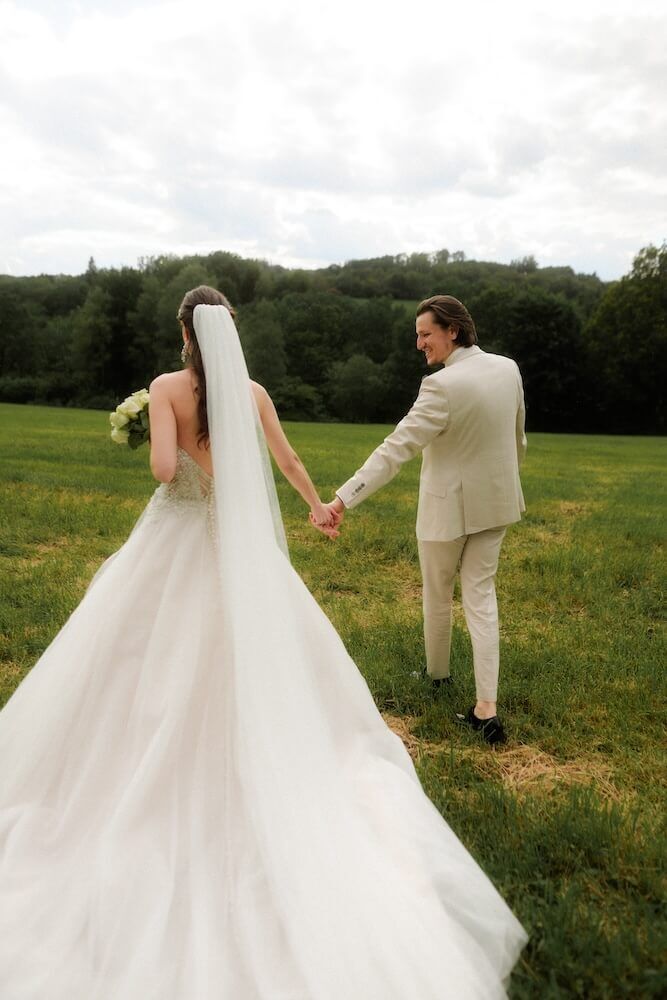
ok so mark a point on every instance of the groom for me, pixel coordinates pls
(468, 420)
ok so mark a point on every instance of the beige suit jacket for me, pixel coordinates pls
(468, 421)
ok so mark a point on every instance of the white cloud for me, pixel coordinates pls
(310, 135)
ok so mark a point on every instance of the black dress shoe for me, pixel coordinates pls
(491, 729)
(437, 682)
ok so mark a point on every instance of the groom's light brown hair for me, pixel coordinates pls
(448, 311)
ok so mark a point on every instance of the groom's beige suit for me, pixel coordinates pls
(468, 421)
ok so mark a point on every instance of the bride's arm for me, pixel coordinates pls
(286, 458)
(163, 431)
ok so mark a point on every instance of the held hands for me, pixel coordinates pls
(326, 517)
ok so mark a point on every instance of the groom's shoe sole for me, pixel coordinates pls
(491, 730)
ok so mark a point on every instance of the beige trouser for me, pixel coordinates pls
(478, 555)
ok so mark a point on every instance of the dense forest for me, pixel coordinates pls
(338, 343)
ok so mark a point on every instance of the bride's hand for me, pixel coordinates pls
(329, 532)
(322, 516)
(325, 519)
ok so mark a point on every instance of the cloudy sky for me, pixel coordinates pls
(309, 133)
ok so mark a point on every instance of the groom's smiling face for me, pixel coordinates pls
(437, 342)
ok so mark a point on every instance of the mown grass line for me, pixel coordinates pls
(568, 818)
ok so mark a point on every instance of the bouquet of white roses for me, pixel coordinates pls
(129, 421)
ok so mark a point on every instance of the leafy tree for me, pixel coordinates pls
(440, 257)
(21, 319)
(542, 333)
(296, 400)
(650, 262)
(144, 351)
(356, 389)
(318, 329)
(409, 284)
(372, 324)
(123, 287)
(92, 348)
(627, 348)
(525, 265)
(583, 291)
(263, 344)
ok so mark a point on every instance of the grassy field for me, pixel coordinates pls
(566, 817)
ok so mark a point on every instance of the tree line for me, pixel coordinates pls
(338, 343)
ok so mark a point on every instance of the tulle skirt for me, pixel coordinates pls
(135, 861)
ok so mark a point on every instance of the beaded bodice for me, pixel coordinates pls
(190, 491)
(190, 482)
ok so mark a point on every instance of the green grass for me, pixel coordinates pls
(566, 819)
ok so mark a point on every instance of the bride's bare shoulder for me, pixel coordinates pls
(173, 382)
(259, 392)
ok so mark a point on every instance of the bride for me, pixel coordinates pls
(198, 797)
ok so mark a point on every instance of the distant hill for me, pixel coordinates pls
(337, 343)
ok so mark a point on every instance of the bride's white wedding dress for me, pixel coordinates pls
(200, 801)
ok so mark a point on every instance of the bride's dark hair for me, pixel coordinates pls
(203, 295)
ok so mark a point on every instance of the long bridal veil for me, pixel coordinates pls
(372, 894)
(247, 501)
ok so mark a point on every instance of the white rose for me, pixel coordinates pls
(118, 420)
(129, 408)
(141, 397)
(119, 436)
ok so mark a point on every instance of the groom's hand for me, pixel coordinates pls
(335, 508)
(328, 530)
